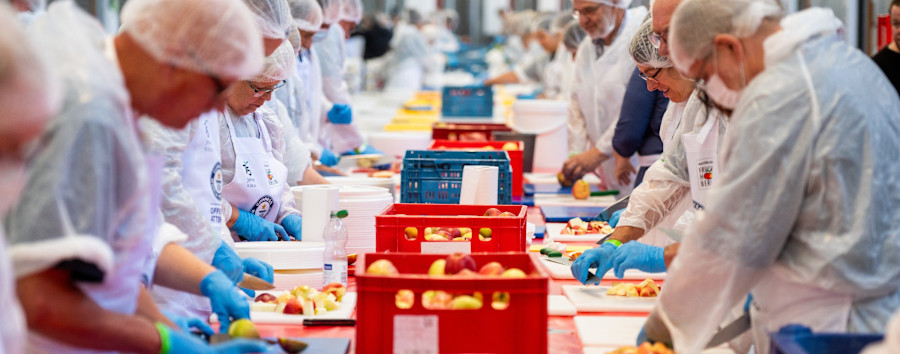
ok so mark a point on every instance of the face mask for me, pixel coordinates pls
(721, 94)
(12, 181)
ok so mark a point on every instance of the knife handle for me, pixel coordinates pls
(602, 193)
(313, 322)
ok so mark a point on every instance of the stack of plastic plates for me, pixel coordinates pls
(296, 263)
(387, 183)
(362, 203)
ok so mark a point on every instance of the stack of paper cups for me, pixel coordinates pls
(479, 185)
(318, 203)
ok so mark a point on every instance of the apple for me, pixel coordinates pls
(581, 190)
(510, 146)
(488, 148)
(309, 308)
(265, 297)
(351, 258)
(513, 273)
(436, 300)
(263, 306)
(492, 212)
(467, 236)
(457, 262)
(445, 234)
(293, 307)
(465, 302)
(437, 268)
(404, 299)
(382, 267)
(500, 300)
(484, 234)
(491, 269)
(303, 291)
(411, 233)
(465, 230)
(563, 181)
(291, 345)
(507, 214)
(466, 273)
(458, 239)
(429, 231)
(337, 289)
(454, 233)
(243, 328)
(331, 305)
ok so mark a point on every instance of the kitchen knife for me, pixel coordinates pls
(730, 331)
(591, 279)
(253, 282)
(607, 192)
(618, 205)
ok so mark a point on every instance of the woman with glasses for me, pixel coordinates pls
(258, 204)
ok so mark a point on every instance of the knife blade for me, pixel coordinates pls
(253, 282)
(730, 331)
(618, 205)
(591, 279)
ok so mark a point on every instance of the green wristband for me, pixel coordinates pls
(615, 242)
(163, 338)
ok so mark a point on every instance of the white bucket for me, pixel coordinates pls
(546, 119)
(396, 143)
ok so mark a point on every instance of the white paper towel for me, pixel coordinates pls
(318, 203)
(479, 185)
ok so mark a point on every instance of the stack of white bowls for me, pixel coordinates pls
(362, 203)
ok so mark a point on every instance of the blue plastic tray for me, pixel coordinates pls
(565, 213)
(467, 101)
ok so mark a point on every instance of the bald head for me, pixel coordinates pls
(662, 15)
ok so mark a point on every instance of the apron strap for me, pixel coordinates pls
(263, 132)
(707, 127)
(229, 124)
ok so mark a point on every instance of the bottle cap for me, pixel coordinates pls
(340, 214)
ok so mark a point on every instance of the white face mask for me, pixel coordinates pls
(12, 181)
(721, 94)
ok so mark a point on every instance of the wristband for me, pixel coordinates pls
(163, 338)
(615, 242)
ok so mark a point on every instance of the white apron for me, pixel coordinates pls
(12, 319)
(703, 159)
(259, 178)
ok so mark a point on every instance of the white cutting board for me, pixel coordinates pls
(594, 299)
(559, 271)
(559, 305)
(608, 331)
(551, 199)
(550, 178)
(344, 311)
(554, 233)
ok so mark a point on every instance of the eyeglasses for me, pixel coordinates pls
(651, 77)
(258, 92)
(588, 11)
(657, 39)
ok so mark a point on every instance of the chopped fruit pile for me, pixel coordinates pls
(577, 226)
(645, 348)
(646, 288)
(302, 300)
(574, 255)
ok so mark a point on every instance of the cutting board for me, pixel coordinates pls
(318, 346)
(569, 248)
(565, 213)
(559, 271)
(550, 178)
(526, 200)
(594, 299)
(608, 331)
(554, 233)
(607, 349)
(345, 311)
(559, 305)
(568, 200)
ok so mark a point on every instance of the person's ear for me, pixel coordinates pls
(729, 42)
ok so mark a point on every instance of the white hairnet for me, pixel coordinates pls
(614, 3)
(643, 52)
(413, 16)
(278, 66)
(29, 93)
(573, 36)
(272, 16)
(542, 23)
(295, 41)
(35, 5)
(561, 21)
(351, 10)
(331, 11)
(207, 36)
(451, 18)
(307, 14)
(696, 22)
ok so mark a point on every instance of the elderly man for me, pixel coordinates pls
(603, 68)
(82, 243)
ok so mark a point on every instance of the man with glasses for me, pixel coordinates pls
(602, 72)
(888, 59)
(83, 234)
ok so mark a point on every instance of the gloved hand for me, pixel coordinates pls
(363, 150)
(186, 323)
(340, 114)
(642, 335)
(228, 262)
(182, 342)
(614, 218)
(600, 258)
(636, 255)
(226, 301)
(328, 158)
(577, 166)
(255, 228)
(260, 269)
(293, 224)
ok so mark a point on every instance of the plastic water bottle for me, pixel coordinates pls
(335, 268)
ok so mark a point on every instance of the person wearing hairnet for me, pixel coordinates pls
(409, 59)
(533, 69)
(258, 204)
(555, 84)
(29, 95)
(888, 58)
(807, 217)
(603, 69)
(81, 239)
(573, 35)
(192, 187)
(273, 18)
(446, 21)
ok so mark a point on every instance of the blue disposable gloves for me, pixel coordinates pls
(293, 224)
(642, 336)
(636, 255)
(364, 150)
(183, 342)
(254, 228)
(228, 262)
(328, 158)
(614, 218)
(260, 269)
(188, 323)
(340, 114)
(226, 301)
(600, 258)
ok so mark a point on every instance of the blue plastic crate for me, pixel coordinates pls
(468, 101)
(798, 339)
(436, 176)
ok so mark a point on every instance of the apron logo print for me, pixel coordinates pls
(272, 180)
(263, 206)
(215, 180)
(706, 174)
(246, 165)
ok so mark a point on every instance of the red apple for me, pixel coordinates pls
(465, 272)
(382, 267)
(492, 212)
(454, 233)
(491, 269)
(338, 289)
(265, 297)
(457, 262)
(507, 214)
(581, 190)
(293, 307)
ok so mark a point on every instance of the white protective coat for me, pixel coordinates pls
(331, 55)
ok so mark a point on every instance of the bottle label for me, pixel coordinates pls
(335, 272)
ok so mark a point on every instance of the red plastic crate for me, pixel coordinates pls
(520, 328)
(507, 233)
(515, 156)
(466, 132)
